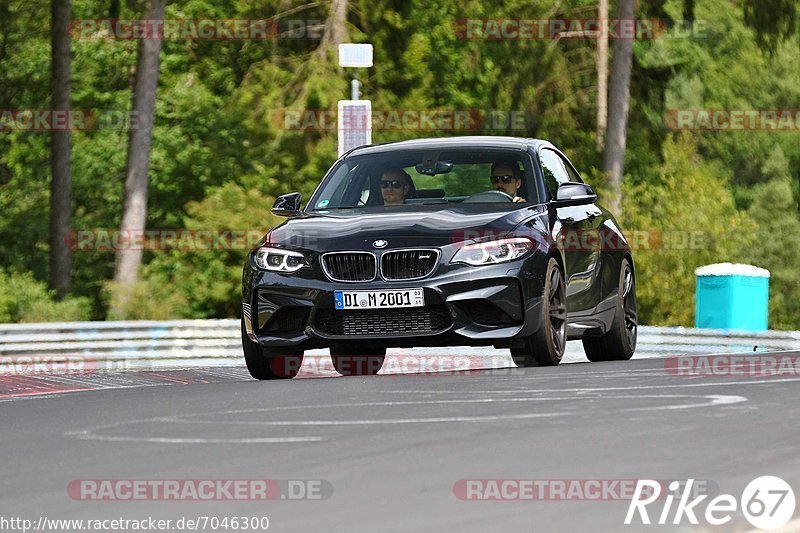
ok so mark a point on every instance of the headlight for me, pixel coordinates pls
(279, 260)
(491, 252)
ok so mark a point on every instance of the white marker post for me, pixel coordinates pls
(354, 115)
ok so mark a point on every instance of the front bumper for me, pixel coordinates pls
(495, 305)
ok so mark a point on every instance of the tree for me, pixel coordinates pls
(773, 20)
(336, 25)
(778, 240)
(681, 219)
(61, 150)
(134, 210)
(688, 12)
(602, 74)
(619, 104)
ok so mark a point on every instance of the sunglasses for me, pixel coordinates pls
(394, 184)
(504, 179)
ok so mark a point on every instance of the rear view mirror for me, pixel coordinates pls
(288, 205)
(430, 168)
(573, 193)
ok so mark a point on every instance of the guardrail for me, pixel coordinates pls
(677, 340)
(220, 339)
(173, 339)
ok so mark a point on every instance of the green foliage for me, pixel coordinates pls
(777, 246)
(148, 299)
(24, 299)
(773, 20)
(684, 220)
(208, 282)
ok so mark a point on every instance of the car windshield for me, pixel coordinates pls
(422, 177)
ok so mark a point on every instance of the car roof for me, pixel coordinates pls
(449, 143)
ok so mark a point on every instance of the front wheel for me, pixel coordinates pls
(270, 363)
(619, 343)
(357, 360)
(546, 346)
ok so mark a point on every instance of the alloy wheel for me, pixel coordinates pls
(557, 311)
(629, 305)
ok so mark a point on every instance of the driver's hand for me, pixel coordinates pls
(519, 199)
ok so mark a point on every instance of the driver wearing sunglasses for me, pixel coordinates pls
(395, 185)
(505, 178)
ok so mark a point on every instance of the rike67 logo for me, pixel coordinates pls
(767, 503)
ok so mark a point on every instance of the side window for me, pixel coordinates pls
(555, 173)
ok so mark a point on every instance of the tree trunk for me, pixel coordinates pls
(134, 210)
(619, 102)
(688, 13)
(602, 75)
(335, 29)
(338, 22)
(61, 150)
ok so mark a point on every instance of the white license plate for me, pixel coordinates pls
(378, 299)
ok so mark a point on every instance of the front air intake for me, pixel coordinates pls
(399, 265)
(349, 266)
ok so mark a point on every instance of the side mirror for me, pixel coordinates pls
(573, 193)
(287, 205)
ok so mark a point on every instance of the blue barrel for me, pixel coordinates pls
(732, 296)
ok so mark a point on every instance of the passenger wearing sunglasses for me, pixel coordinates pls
(505, 178)
(395, 185)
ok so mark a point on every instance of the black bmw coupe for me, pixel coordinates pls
(467, 241)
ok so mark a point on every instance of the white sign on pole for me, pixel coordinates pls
(355, 55)
(355, 124)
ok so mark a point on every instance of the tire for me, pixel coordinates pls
(619, 343)
(270, 363)
(357, 359)
(546, 346)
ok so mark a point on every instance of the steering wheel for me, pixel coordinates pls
(489, 197)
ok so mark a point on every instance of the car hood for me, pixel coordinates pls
(401, 227)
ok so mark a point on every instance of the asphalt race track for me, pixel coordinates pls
(391, 452)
